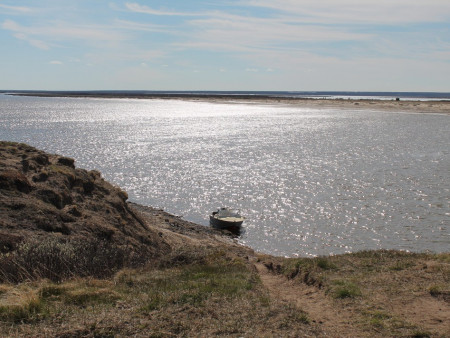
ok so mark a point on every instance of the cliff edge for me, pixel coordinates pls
(45, 197)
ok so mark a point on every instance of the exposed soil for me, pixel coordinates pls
(396, 295)
(333, 321)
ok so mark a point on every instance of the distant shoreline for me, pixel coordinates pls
(401, 105)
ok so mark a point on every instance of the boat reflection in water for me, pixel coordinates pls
(227, 219)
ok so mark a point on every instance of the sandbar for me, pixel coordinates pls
(403, 105)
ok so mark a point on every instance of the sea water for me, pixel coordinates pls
(310, 181)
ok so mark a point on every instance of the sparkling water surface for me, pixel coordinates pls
(309, 181)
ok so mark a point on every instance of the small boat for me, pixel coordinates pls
(226, 219)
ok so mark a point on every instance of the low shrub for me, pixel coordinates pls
(324, 263)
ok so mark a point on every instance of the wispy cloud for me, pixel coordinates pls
(145, 27)
(33, 42)
(21, 34)
(56, 62)
(132, 56)
(366, 12)
(138, 54)
(267, 32)
(343, 29)
(221, 30)
(134, 7)
(45, 36)
(15, 9)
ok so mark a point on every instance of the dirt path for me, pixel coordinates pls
(320, 310)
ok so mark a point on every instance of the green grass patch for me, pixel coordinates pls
(325, 263)
(154, 302)
(378, 319)
(299, 317)
(52, 291)
(401, 265)
(340, 289)
(87, 296)
(62, 169)
(194, 285)
(443, 257)
(294, 316)
(80, 293)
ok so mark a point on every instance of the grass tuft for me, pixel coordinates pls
(52, 291)
(86, 296)
(4, 288)
(377, 319)
(344, 289)
(439, 291)
(401, 265)
(324, 263)
(29, 307)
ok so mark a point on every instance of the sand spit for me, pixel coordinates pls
(402, 105)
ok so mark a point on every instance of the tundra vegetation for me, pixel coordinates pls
(216, 291)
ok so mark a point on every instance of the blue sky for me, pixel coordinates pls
(378, 45)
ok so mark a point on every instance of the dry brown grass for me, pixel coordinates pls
(60, 259)
(220, 296)
(212, 292)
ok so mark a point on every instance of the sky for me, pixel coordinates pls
(285, 45)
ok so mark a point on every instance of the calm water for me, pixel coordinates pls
(310, 181)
